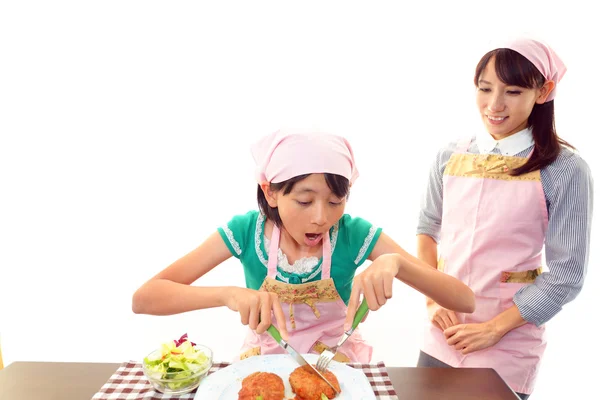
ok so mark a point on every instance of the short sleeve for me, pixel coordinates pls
(430, 214)
(361, 237)
(237, 232)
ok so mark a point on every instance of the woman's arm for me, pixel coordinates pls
(427, 252)
(569, 190)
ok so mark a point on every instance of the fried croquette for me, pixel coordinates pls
(309, 386)
(266, 385)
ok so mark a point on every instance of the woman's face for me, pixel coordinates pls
(505, 109)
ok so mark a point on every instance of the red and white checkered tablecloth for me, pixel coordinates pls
(129, 383)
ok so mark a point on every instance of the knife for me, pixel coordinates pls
(295, 355)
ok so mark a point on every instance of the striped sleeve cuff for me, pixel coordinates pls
(428, 227)
(535, 306)
(429, 232)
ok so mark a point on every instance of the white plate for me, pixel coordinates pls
(225, 383)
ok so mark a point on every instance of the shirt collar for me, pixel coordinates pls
(508, 146)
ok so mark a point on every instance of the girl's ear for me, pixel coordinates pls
(270, 196)
(545, 92)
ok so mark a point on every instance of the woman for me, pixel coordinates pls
(493, 203)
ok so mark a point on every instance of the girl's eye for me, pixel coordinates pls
(333, 203)
(303, 203)
(514, 92)
(486, 90)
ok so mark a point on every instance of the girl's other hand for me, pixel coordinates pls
(375, 283)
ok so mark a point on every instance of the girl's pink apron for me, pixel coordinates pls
(314, 311)
(493, 230)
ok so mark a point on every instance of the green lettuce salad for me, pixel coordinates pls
(177, 360)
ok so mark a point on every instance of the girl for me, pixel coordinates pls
(299, 254)
(492, 203)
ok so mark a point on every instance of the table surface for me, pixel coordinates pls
(75, 381)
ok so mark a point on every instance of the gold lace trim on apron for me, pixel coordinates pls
(255, 351)
(307, 293)
(521, 276)
(507, 277)
(320, 347)
(491, 166)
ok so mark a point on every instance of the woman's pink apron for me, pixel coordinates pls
(493, 231)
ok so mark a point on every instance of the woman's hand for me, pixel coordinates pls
(440, 316)
(468, 338)
(255, 309)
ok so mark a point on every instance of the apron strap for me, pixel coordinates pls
(326, 264)
(531, 152)
(273, 252)
(463, 145)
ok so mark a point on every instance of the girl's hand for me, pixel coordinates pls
(468, 338)
(441, 317)
(255, 309)
(375, 283)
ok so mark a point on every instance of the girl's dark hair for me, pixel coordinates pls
(514, 69)
(339, 185)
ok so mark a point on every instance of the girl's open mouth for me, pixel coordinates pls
(312, 239)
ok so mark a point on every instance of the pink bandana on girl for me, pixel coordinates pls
(283, 155)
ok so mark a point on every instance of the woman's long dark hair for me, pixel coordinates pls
(514, 69)
(339, 185)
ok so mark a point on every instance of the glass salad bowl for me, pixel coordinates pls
(178, 366)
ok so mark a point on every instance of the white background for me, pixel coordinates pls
(125, 131)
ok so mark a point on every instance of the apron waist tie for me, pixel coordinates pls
(309, 299)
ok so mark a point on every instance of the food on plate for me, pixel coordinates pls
(309, 386)
(177, 360)
(262, 386)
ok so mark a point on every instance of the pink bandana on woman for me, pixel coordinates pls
(542, 56)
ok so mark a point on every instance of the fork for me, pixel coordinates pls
(327, 355)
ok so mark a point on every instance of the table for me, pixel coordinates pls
(75, 381)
